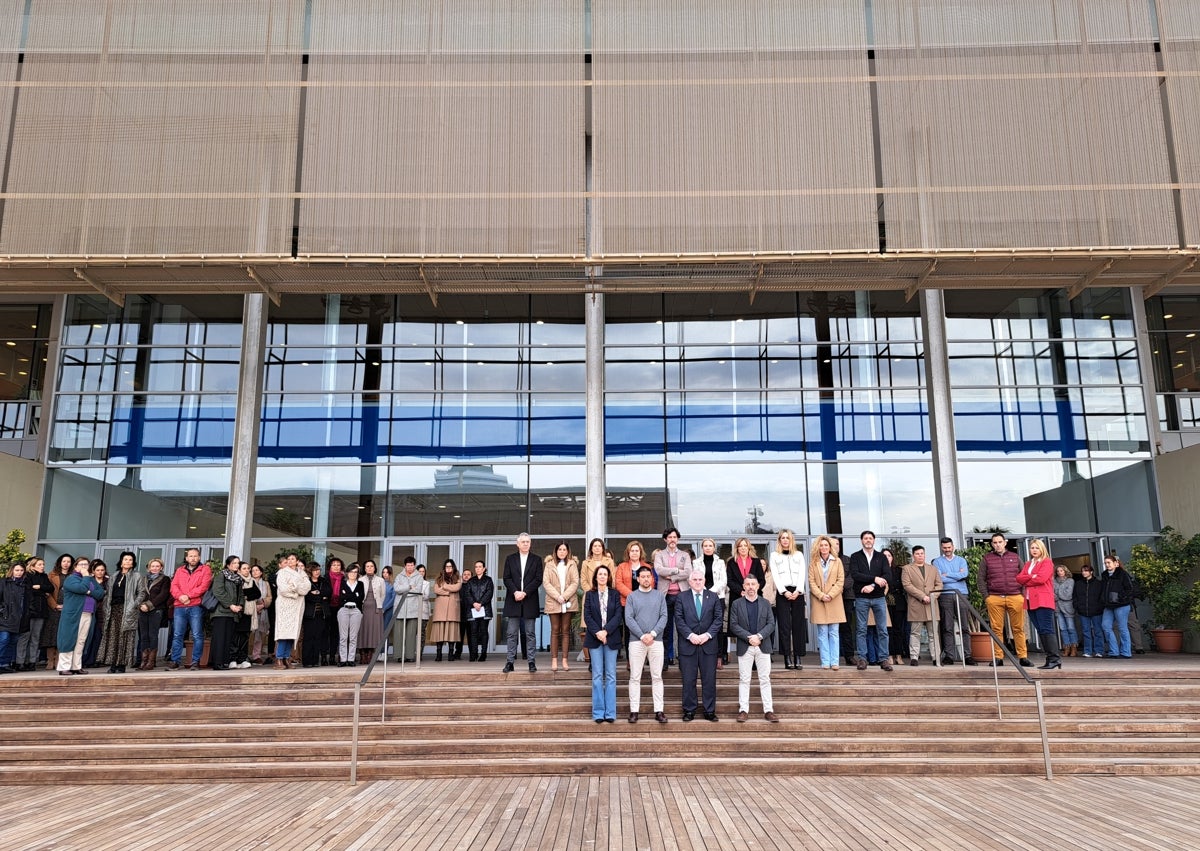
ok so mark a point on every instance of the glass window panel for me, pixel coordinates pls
(318, 502)
(892, 498)
(557, 499)
(191, 369)
(751, 499)
(478, 426)
(71, 504)
(314, 427)
(82, 428)
(557, 369)
(558, 426)
(633, 369)
(162, 502)
(636, 502)
(300, 369)
(409, 368)
(633, 424)
(489, 500)
(172, 428)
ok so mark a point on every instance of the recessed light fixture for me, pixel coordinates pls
(22, 373)
(362, 508)
(540, 322)
(197, 508)
(1106, 316)
(458, 322)
(374, 363)
(1179, 366)
(1168, 316)
(1193, 334)
(441, 506)
(34, 327)
(10, 343)
(97, 326)
(191, 527)
(1179, 351)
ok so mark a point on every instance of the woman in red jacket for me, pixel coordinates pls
(1037, 577)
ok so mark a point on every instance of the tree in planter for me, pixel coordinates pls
(11, 552)
(1163, 571)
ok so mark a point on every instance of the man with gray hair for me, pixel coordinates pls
(522, 579)
(698, 617)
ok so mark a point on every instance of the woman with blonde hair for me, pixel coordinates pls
(560, 579)
(791, 581)
(1037, 578)
(826, 579)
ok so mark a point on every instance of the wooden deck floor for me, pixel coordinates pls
(615, 813)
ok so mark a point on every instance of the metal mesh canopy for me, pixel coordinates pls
(426, 135)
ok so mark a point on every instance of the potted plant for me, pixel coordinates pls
(1163, 574)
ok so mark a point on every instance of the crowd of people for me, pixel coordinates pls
(669, 607)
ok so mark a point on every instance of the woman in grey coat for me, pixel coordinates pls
(119, 645)
(1064, 608)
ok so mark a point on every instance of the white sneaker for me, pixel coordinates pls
(243, 664)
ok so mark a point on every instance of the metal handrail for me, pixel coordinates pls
(388, 620)
(1037, 684)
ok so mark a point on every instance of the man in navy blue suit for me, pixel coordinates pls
(698, 617)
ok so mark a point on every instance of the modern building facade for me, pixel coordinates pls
(379, 278)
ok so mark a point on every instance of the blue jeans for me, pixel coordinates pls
(1066, 625)
(1121, 617)
(8, 648)
(190, 618)
(828, 643)
(604, 682)
(878, 605)
(283, 648)
(1093, 635)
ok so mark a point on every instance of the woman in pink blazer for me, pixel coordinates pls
(1037, 577)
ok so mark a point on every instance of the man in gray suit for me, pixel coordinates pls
(698, 616)
(751, 622)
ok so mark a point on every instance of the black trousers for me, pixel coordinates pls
(316, 638)
(793, 626)
(149, 624)
(477, 634)
(704, 664)
(330, 647)
(222, 642)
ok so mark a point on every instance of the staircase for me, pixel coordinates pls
(457, 720)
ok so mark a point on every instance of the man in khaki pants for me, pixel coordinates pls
(998, 582)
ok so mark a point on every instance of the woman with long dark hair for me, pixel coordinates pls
(370, 631)
(602, 618)
(318, 618)
(349, 616)
(119, 646)
(91, 648)
(478, 592)
(560, 579)
(445, 619)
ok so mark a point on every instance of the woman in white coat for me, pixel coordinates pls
(292, 585)
(791, 584)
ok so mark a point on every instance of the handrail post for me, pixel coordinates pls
(996, 680)
(1037, 690)
(354, 741)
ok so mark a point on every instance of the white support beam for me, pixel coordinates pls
(428, 289)
(108, 292)
(1156, 287)
(919, 283)
(267, 290)
(1088, 279)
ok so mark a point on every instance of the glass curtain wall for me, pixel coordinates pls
(389, 418)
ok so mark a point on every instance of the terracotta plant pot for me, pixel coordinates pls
(981, 646)
(1168, 640)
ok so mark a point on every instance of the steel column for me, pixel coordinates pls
(246, 425)
(596, 517)
(941, 415)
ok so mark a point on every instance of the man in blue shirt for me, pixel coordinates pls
(953, 569)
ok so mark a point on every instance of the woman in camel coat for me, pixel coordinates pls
(826, 578)
(560, 578)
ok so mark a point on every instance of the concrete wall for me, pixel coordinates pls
(1179, 488)
(20, 496)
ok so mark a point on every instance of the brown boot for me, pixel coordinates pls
(279, 666)
(151, 659)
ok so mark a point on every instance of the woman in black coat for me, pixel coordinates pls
(477, 595)
(1089, 605)
(318, 618)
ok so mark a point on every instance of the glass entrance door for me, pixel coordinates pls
(433, 555)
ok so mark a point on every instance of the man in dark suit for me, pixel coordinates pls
(698, 617)
(870, 572)
(522, 579)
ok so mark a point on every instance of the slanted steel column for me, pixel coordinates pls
(596, 517)
(246, 425)
(941, 416)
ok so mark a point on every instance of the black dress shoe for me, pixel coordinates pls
(610, 720)
(970, 661)
(996, 663)
(633, 717)
(660, 717)
(912, 663)
(1025, 663)
(598, 720)
(711, 716)
(508, 668)
(787, 663)
(532, 668)
(689, 716)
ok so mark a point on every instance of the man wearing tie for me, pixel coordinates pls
(698, 617)
(522, 578)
